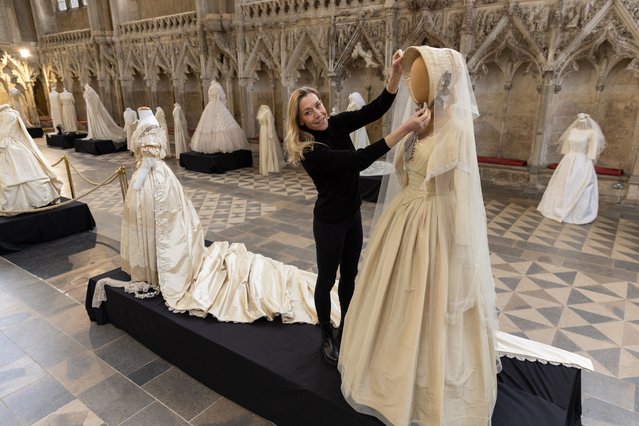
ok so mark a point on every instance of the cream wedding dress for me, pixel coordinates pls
(270, 150)
(162, 247)
(217, 130)
(100, 124)
(418, 340)
(27, 181)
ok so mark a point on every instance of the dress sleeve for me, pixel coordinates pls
(353, 120)
(323, 159)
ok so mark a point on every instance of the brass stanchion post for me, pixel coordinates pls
(66, 163)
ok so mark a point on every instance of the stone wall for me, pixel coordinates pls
(534, 64)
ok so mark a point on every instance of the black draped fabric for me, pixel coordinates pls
(369, 187)
(64, 140)
(276, 371)
(219, 162)
(17, 232)
(35, 132)
(98, 146)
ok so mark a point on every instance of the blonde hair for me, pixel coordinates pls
(297, 141)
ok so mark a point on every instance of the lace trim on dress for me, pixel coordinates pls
(140, 288)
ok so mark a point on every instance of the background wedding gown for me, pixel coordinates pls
(162, 244)
(56, 109)
(360, 139)
(100, 124)
(27, 180)
(217, 130)
(270, 150)
(572, 195)
(130, 122)
(161, 117)
(180, 131)
(69, 117)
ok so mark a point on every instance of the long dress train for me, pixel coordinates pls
(100, 124)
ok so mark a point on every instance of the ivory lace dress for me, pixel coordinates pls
(217, 130)
(163, 247)
(572, 195)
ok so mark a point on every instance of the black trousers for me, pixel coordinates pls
(336, 245)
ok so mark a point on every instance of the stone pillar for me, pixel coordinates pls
(126, 86)
(504, 112)
(152, 92)
(541, 136)
(44, 17)
(178, 91)
(247, 108)
(632, 194)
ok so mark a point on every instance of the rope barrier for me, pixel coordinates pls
(119, 173)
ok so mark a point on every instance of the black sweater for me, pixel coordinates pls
(334, 164)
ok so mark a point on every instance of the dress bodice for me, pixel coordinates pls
(579, 140)
(416, 166)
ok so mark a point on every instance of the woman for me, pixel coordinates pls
(27, 181)
(418, 343)
(323, 146)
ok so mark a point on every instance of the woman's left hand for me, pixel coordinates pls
(396, 63)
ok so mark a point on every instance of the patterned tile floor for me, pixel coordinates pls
(574, 287)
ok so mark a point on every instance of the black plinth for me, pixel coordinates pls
(216, 163)
(63, 140)
(98, 146)
(17, 232)
(369, 187)
(276, 370)
(35, 132)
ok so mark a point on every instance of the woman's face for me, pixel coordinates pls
(312, 113)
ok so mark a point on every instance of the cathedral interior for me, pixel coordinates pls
(534, 64)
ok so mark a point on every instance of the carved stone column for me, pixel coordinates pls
(335, 90)
(541, 137)
(247, 109)
(126, 85)
(467, 38)
(632, 196)
(178, 91)
(152, 91)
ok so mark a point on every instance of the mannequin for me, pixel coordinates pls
(55, 108)
(181, 131)
(130, 122)
(27, 181)
(161, 117)
(69, 118)
(572, 195)
(418, 343)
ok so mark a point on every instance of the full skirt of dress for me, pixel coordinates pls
(401, 360)
(572, 195)
(217, 131)
(23, 182)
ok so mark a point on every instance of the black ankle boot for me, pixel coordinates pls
(329, 347)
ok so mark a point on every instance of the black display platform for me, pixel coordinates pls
(17, 232)
(35, 132)
(63, 140)
(97, 146)
(276, 370)
(216, 163)
(369, 187)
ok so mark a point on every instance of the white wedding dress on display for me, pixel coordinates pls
(217, 130)
(27, 181)
(181, 131)
(69, 117)
(270, 150)
(55, 109)
(572, 195)
(130, 122)
(360, 140)
(162, 247)
(100, 124)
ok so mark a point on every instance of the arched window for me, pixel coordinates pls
(64, 5)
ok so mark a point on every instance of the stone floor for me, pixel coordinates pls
(574, 287)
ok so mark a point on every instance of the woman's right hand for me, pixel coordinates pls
(418, 121)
